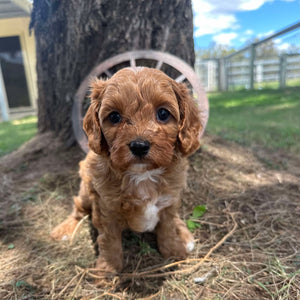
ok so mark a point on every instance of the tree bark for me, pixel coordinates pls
(73, 36)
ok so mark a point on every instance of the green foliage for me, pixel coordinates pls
(14, 133)
(198, 212)
(21, 283)
(145, 248)
(214, 51)
(268, 118)
(10, 246)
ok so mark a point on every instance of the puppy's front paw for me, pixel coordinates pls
(173, 250)
(106, 271)
(175, 241)
(190, 246)
(187, 238)
(105, 266)
(64, 230)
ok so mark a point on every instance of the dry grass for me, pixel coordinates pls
(247, 246)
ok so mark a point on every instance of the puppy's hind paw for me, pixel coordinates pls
(64, 230)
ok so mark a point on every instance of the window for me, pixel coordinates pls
(13, 71)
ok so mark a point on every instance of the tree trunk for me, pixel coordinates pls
(73, 36)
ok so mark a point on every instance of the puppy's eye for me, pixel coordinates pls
(114, 117)
(163, 115)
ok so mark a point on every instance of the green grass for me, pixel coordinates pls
(267, 85)
(269, 118)
(14, 133)
(276, 85)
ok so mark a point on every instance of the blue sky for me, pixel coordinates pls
(234, 22)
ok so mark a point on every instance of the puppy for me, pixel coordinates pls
(141, 127)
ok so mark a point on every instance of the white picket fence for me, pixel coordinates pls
(218, 74)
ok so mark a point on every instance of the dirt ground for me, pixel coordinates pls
(247, 246)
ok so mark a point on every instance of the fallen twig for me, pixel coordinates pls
(77, 227)
(206, 276)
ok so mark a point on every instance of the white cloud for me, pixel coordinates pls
(214, 16)
(211, 24)
(225, 38)
(249, 32)
(278, 41)
(265, 34)
(251, 4)
(284, 46)
(246, 35)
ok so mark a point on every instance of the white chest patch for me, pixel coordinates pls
(150, 218)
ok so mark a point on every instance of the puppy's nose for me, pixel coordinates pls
(139, 147)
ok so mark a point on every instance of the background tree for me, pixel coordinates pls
(74, 36)
(266, 49)
(215, 51)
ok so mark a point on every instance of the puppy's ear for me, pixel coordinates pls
(91, 123)
(190, 123)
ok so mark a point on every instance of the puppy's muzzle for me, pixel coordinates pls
(139, 147)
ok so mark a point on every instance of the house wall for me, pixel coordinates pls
(20, 27)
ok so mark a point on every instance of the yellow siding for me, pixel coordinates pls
(20, 27)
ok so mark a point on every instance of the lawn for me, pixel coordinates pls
(266, 118)
(14, 133)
